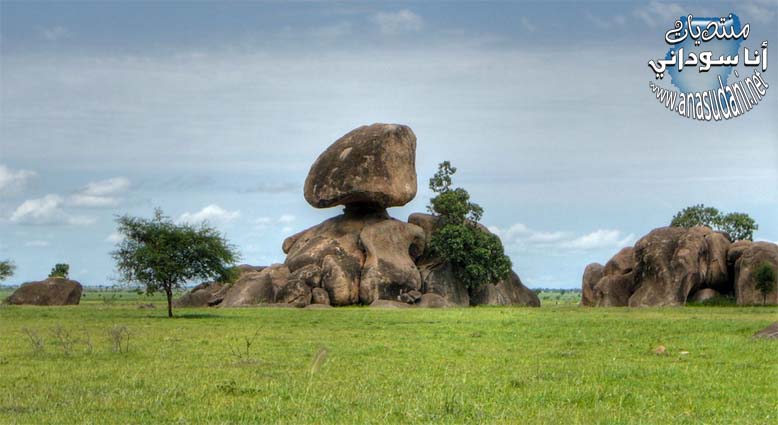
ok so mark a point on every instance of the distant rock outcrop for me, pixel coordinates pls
(362, 256)
(673, 265)
(51, 291)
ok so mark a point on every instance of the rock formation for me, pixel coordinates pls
(672, 265)
(52, 291)
(362, 256)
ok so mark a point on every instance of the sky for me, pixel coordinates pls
(216, 110)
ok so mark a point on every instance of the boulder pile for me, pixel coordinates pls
(51, 291)
(362, 256)
(672, 265)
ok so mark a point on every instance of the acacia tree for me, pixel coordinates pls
(476, 254)
(163, 256)
(764, 277)
(7, 268)
(739, 226)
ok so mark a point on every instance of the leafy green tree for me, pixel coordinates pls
(163, 256)
(739, 226)
(477, 256)
(60, 270)
(7, 268)
(764, 277)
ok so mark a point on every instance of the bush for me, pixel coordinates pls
(60, 270)
(477, 256)
(764, 278)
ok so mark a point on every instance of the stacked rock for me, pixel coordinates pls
(362, 256)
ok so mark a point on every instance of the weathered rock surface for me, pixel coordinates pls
(704, 294)
(439, 278)
(509, 291)
(768, 332)
(51, 291)
(320, 296)
(257, 287)
(389, 304)
(617, 282)
(433, 301)
(592, 274)
(673, 262)
(203, 295)
(374, 164)
(745, 286)
(391, 247)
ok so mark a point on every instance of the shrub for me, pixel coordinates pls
(477, 256)
(739, 226)
(764, 278)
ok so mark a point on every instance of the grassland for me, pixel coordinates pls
(559, 364)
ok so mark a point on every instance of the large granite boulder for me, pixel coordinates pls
(209, 294)
(592, 275)
(334, 247)
(509, 291)
(373, 164)
(617, 282)
(51, 291)
(257, 287)
(674, 262)
(391, 248)
(439, 278)
(745, 287)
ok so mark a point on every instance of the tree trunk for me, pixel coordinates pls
(169, 293)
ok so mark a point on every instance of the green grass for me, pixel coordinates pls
(557, 364)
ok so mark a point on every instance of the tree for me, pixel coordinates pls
(7, 268)
(764, 277)
(739, 226)
(163, 256)
(60, 270)
(477, 255)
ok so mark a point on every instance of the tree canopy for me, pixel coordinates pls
(739, 226)
(60, 270)
(764, 278)
(162, 256)
(476, 254)
(7, 268)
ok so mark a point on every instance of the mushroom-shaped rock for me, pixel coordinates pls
(51, 291)
(373, 164)
(391, 246)
(745, 287)
(674, 262)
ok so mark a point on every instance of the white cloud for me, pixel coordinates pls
(657, 13)
(14, 180)
(286, 218)
(603, 238)
(114, 237)
(54, 33)
(37, 244)
(287, 229)
(47, 210)
(211, 213)
(519, 237)
(100, 194)
(394, 23)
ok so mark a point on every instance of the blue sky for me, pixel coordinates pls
(217, 110)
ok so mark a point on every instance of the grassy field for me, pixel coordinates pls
(559, 364)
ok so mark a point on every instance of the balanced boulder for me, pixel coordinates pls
(51, 291)
(373, 164)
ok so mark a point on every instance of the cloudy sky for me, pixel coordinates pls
(216, 111)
